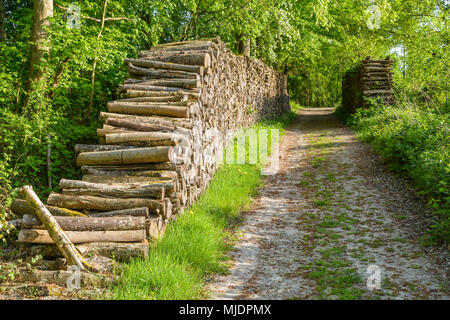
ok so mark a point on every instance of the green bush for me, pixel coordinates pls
(416, 142)
(23, 153)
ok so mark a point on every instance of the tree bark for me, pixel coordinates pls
(55, 233)
(118, 138)
(60, 277)
(42, 236)
(159, 110)
(42, 11)
(88, 223)
(165, 65)
(2, 21)
(128, 156)
(135, 212)
(105, 204)
(113, 250)
(21, 207)
(145, 193)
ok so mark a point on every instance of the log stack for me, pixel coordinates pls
(370, 79)
(159, 145)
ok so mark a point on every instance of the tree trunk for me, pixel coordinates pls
(135, 212)
(127, 156)
(165, 65)
(21, 207)
(105, 204)
(113, 250)
(145, 193)
(243, 45)
(2, 21)
(61, 277)
(42, 11)
(55, 233)
(88, 223)
(159, 110)
(42, 236)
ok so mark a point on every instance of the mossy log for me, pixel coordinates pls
(114, 250)
(79, 148)
(61, 277)
(20, 207)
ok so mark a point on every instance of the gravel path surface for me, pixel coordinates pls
(330, 212)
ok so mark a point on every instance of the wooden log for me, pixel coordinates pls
(118, 138)
(135, 212)
(174, 83)
(187, 58)
(138, 126)
(113, 250)
(156, 120)
(87, 223)
(144, 193)
(164, 65)
(378, 92)
(105, 204)
(160, 73)
(42, 236)
(55, 233)
(189, 47)
(101, 133)
(144, 182)
(21, 207)
(160, 174)
(140, 167)
(177, 98)
(79, 148)
(179, 94)
(159, 110)
(128, 156)
(61, 278)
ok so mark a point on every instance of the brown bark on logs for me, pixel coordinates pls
(42, 236)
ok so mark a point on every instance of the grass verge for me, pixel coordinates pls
(195, 246)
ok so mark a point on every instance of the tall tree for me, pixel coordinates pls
(42, 11)
(2, 21)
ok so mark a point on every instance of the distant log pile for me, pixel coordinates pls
(158, 147)
(370, 79)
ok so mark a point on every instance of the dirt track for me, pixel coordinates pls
(331, 211)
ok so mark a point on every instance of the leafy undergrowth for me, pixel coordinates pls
(416, 142)
(194, 246)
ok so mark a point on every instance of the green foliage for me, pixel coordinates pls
(416, 142)
(23, 152)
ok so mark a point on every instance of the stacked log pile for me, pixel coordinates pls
(370, 79)
(158, 147)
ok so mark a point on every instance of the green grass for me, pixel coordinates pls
(195, 246)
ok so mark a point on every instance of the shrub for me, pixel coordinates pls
(416, 142)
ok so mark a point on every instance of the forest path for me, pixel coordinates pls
(331, 211)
